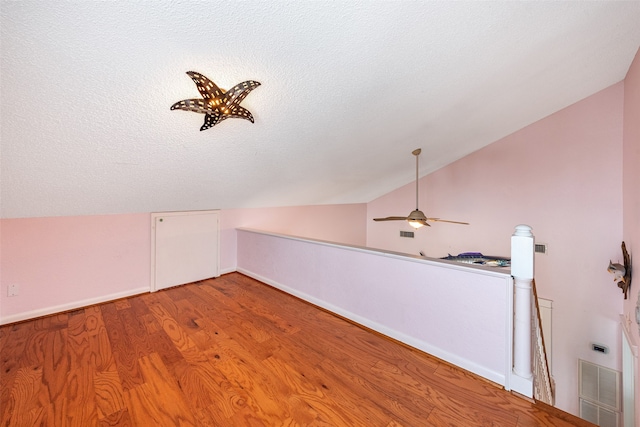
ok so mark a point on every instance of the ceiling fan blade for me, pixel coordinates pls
(424, 222)
(446, 220)
(391, 218)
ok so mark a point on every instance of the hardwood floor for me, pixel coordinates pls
(232, 351)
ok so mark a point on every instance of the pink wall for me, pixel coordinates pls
(61, 263)
(337, 223)
(562, 176)
(631, 198)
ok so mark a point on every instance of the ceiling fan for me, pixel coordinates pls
(417, 218)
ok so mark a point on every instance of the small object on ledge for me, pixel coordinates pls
(622, 272)
(477, 258)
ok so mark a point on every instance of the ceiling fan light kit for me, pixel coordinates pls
(417, 218)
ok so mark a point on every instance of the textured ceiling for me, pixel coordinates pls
(349, 89)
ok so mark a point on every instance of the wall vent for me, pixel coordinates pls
(597, 414)
(599, 393)
(406, 234)
(541, 248)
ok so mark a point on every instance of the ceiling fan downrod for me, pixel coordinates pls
(416, 153)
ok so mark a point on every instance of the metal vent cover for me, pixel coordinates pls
(598, 415)
(407, 234)
(599, 393)
(540, 248)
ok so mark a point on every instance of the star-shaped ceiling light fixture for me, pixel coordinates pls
(216, 104)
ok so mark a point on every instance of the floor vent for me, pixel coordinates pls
(406, 234)
(599, 392)
(541, 248)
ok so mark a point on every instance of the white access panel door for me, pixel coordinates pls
(185, 247)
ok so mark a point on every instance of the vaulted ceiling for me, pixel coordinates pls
(348, 90)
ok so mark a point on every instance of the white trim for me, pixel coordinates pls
(509, 333)
(521, 385)
(27, 315)
(491, 375)
(227, 271)
(630, 403)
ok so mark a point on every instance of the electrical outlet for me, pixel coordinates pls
(12, 291)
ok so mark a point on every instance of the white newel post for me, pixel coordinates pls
(522, 256)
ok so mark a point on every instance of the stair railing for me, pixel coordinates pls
(543, 384)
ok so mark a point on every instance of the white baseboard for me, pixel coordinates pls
(70, 306)
(521, 385)
(227, 271)
(496, 377)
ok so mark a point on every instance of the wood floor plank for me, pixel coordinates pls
(121, 304)
(310, 399)
(542, 415)
(176, 333)
(206, 303)
(109, 395)
(158, 401)
(269, 312)
(139, 307)
(449, 379)
(208, 334)
(208, 391)
(170, 301)
(125, 358)
(150, 323)
(137, 335)
(56, 363)
(93, 321)
(232, 351)
(264, 391)
(100, 354)
(33, 354)
(200, 328)
(221, 299)
(379, 401)
(80, 403)
(12, 355)
(449, 403)
(117, 419)
(51, 323)
(441, 417)
(22, 408)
